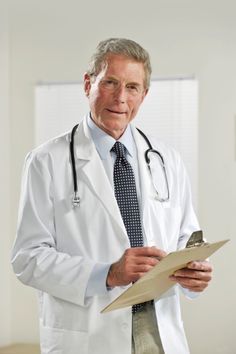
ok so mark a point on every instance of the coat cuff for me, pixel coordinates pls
(97, 280)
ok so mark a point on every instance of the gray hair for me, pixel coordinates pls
(120, 46)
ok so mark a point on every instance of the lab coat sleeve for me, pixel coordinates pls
(35, 258)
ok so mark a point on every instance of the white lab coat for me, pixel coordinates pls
(57, 245)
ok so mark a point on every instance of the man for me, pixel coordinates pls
(81, 258)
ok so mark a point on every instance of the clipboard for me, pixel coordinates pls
(156, 282)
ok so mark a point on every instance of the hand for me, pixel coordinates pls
(195, 277)
(134, 263)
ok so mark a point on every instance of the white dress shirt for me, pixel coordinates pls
(104, 143)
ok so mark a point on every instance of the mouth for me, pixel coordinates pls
(116, 112)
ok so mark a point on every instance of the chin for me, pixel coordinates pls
(115, 123)
(115, 130)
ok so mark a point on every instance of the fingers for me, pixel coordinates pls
(134, 263)
(192, 282)
(146, 252)
(203, 266)
(195, 277)
(196, 286)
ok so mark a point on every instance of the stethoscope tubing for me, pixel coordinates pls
(76, 199)
(150, 149)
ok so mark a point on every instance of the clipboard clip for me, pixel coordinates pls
(196, 239)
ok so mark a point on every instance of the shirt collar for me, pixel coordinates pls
(104, 141)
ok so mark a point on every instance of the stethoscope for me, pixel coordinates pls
(148, 152)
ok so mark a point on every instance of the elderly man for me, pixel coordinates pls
(80, 258)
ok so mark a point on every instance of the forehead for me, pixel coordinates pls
(123, 68)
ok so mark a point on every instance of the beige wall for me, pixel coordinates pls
(52, 41)
(5, 309)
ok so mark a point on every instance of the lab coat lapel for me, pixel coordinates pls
(91, 165)
(148, 195)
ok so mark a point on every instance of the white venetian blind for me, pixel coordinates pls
(169, 112)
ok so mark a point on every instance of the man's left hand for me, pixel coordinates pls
(195, 277)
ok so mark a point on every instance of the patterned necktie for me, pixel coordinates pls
(126, 196)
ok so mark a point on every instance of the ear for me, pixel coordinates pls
(87, 84)
(144, 94)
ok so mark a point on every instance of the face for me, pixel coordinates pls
(116, 93)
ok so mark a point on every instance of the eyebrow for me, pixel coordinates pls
(128, 83)
(134, 83)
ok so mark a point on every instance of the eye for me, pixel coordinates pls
(109, 83)
(133, 88)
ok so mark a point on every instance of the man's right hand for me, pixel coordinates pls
(134, 263)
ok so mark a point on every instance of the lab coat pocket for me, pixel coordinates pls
(60, 341)
(171, 217)
(162, 224)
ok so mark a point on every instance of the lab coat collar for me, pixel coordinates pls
(89, 163)
(84, 146)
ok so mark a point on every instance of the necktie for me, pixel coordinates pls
(126, 196)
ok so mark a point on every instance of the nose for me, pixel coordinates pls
(120, 94)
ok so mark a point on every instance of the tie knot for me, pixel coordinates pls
(119, 149)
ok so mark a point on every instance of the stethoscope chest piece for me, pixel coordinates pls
(75, 201)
